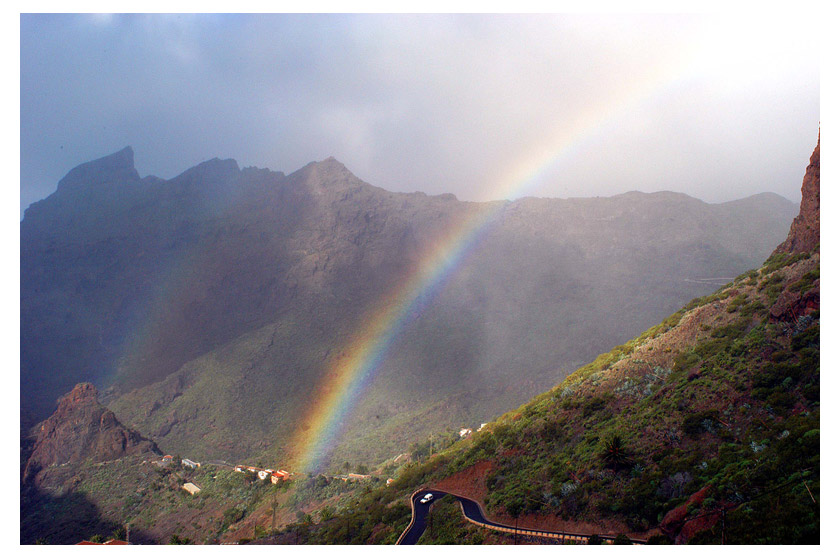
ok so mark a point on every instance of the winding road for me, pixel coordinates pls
(473, 512)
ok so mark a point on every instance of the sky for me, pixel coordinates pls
(482, 106)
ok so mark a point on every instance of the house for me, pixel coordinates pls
(389, 481)
(279, 475)
(166, 458)
(480, 427)
(465, 432)
(191, 488)
(355, 477)
(189, 463)
(263, 473)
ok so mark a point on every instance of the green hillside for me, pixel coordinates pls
(716, 409)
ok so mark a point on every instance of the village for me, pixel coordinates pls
(277, 476)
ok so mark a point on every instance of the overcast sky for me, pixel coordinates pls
(480, 106)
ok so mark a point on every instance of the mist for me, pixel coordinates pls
(482, 106)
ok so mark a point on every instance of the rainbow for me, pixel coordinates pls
(344, 383)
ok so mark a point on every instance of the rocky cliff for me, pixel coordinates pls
(805, 230)
(82, 429)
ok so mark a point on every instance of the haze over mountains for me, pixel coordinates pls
(207, 307)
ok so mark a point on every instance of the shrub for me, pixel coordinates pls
(779, 261)
(810, 337)
(685, 360)
(594, 404)
(615, 455)
(695, 423)
(736, 302)
(806, 282)
(232, 515)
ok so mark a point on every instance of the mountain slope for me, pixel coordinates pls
(713, 414)
(704, 429)
(164, 292)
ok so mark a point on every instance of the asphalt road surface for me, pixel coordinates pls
(473, 512)
(418, 523)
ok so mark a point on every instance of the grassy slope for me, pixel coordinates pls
(551, 264)
(149, 498)
(717, 396)
(718, 402)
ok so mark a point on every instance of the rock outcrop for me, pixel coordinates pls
(680, 526)
(115, 168)
(804, 233)
(81, 429)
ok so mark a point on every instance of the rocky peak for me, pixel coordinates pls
(83, 393)
(329, 175)
(210, 171)
(804, 233)
(81, 429)
(117, 167)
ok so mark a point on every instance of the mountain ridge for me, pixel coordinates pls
(704, 429)
(153, 279)
(730, 341)
(707, 413)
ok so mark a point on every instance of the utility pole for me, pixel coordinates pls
(723, 529)
(127, 532)
(515, 528)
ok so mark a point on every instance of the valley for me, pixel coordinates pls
(702, 416)
(201, 305)
(379, 279)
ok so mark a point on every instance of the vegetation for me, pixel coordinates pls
(716, 410)
(615, 455)
(147, 497)
(736, 414)
(749, 428)
(446, 526)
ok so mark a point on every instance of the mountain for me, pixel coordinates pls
(82, 429)
(704, 429)
(208, 307)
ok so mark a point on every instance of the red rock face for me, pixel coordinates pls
(681, 526)
(805, 231)
(80, 429)
(791, 305)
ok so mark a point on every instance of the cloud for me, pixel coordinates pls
(713, 107)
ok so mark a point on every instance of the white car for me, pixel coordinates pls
(426, 498)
